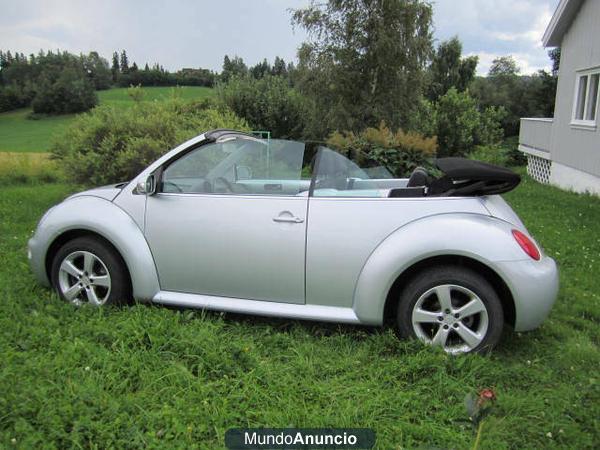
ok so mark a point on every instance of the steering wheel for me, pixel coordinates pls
(225, 181)
(170, 183)
(229, 185)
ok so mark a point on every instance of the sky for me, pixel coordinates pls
(198, 33)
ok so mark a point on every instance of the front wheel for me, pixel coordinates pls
(88, 270)
(451, 307)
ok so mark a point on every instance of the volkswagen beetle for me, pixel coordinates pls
(230, 222)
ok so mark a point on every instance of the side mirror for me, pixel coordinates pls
(148, 186)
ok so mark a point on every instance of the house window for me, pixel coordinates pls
(586, 98)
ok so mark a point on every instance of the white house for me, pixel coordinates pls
(565, 150)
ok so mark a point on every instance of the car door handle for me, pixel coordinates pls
(292, 219)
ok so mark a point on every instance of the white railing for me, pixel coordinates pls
(535, 133)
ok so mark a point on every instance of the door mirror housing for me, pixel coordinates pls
(147, 186)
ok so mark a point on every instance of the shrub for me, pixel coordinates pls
(401, 152)
(492, 154)
(489, 131)
(457, 122)
(515, 156)
(13, 96)
(71, 92)
(269, 103)
(424, 118)
(108, 144)
(460, 126)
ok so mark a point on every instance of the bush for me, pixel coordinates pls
(489, 131)
(457, 122)
(268, 104)
(505, 153)
(460, 126)
(401, 152)
(109, 144)
(492, 154)
(71, 92)
(14, 96)
(515, 156)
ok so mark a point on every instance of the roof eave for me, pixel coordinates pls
(561, 20)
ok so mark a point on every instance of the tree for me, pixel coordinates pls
(115, 69)
(554, 55)
(261, 69)
(268, 103)
(233, 67)
(457, 120)
(364, 61)
(124, 62)
(503, 87)
(71, 92)
(448, 69)
(97, 70)
(279, 67)
(504, 66)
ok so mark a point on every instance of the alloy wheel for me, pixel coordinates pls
(450, 316)
(84, 278)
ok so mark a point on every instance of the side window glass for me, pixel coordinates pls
(341, 176)
(242, 166)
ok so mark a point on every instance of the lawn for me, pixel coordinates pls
(20, 134)
(149, 376)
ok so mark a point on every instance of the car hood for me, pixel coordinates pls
(108, 192)
(497, 207)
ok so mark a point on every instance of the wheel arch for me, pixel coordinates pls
(93, 216)
(490, 275)
(72, 234)
(476, 241)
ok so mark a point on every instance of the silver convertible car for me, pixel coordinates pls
(230, 222)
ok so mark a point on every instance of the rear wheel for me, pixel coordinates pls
(452, 307)
(87, 270)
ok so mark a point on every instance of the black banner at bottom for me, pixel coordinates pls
(299, 438)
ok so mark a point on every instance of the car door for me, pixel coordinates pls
(229, 220)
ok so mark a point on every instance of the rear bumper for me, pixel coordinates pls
(534, 286)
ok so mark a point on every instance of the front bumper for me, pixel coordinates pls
(36, 255)
(534, 287)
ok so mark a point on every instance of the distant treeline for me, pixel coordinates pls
(61, 82)
(123, 73)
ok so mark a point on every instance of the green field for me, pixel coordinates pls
(153, 377)
(20, 134)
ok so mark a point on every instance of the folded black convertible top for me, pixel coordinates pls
(468, 177)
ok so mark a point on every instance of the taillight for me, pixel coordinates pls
(526, 244)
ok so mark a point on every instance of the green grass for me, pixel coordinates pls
(149, 376)
(20, 134)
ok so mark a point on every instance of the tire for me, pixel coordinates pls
(89, 270)
(425, 314)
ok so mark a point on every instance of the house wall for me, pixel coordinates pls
(572, 147)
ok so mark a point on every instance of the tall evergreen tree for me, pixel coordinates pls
(124, 63)
(279, 67)
(115, 68)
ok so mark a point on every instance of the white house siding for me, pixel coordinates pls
(576, 149)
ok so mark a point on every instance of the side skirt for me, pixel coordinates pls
(257, 307)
